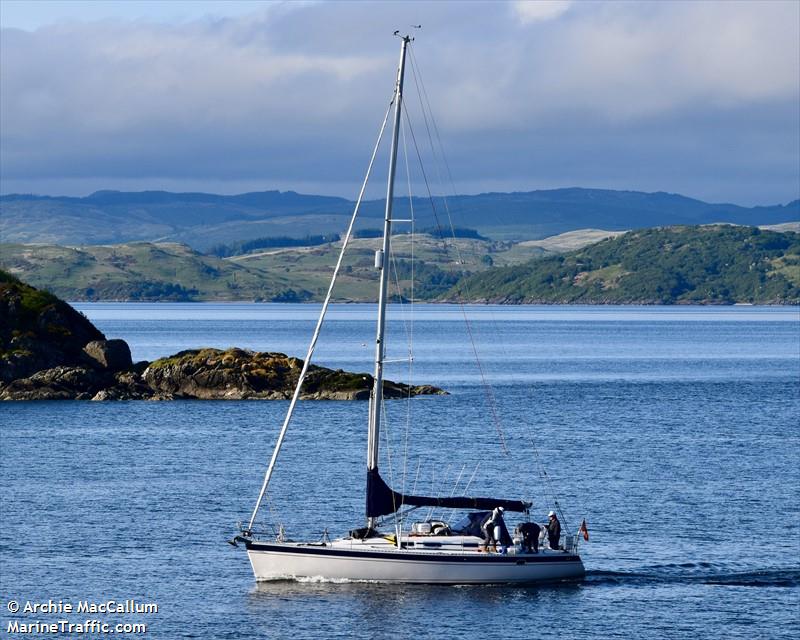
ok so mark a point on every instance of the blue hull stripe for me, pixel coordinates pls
(416, 556)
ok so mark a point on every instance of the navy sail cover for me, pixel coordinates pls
(383, 500)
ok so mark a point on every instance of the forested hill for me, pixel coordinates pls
(715, 264)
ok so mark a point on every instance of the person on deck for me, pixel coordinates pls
(553, 530)
(493, 530)
(530, 536)
(488, 531)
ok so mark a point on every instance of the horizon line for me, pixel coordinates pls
(457, 195)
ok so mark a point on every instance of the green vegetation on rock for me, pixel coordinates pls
(37, 330)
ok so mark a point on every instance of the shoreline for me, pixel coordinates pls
(440, 303)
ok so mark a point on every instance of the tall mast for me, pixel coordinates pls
(381, 263)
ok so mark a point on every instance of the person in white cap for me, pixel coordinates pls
(492, 529)
(553, 530)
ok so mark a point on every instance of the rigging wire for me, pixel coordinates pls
(488, 392)
(467, 486)
(273, 514)
(455, 487)
(487, 388)
(408, 326)
(388, 455)
(416, 477)
(386, 429)
(547, 484)
(422, 93)
(410, 332)
(439, 490)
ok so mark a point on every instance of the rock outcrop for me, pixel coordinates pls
(238, 374)
(113, 355)
(58, 383)
(38, 331)
(49, 351)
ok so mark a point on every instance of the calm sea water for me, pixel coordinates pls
(673, 431)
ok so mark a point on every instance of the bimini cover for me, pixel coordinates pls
(382, 500)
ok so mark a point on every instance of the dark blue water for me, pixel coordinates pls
(673, 431)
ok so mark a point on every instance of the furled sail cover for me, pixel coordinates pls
(382, 500)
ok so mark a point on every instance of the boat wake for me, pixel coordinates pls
(324, 580)
(671, 574)
(694, 573)
(311, 580)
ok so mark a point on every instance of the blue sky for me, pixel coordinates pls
(699, 98)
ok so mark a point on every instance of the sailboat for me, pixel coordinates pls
(429, 551)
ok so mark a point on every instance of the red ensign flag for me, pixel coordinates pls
(583, 530)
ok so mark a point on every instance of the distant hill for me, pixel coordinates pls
(702, 264)
(142, 272)
(114, 217)
(171, 271)
(718, 264)
(203, 220)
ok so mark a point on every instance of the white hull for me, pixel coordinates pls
(362, 561)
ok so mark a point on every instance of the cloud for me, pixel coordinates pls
(529, 11)
(693, 97)
(691, 54)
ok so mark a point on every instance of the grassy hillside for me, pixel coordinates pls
(170, 271)
(437, 267)
(711, 264)
(140, 271)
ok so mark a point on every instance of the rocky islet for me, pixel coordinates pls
(49, 351)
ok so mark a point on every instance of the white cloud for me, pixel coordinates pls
(529, 11)
(681, 55)
(294, 92)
